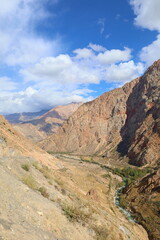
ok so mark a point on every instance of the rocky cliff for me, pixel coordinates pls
(141, 132)
(128, 117)
(95, 126)
(43, 197)
(143, 199)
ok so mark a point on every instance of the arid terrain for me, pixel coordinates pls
(85, 186)
(37, 126)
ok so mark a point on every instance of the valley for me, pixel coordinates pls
(74, 199)
(95, 177)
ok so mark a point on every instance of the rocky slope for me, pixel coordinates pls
(39, 127)
(43, 197)
(128, 116)
(95, 126)
(141, 132)
(143, 199)
(23, 117)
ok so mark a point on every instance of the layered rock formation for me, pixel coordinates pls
(128, 116)
(46, 198)
(143, 199)
(95, 126)
(141, 132)
(37, 127)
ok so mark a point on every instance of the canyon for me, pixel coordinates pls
(64, 187)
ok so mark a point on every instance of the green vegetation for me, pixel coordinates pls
(36, 165)
(44, 192)
(75, 213)
(46, 172)
(30, 182)
(131, 174)
(25, 166)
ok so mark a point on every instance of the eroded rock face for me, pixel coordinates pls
(95, 126)
(37, 126)
(128, 117)
(143, 199)
(141, 132)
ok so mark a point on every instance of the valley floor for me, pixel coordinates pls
(75, 200)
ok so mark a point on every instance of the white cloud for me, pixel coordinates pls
(83, 53)
(124, 72)
(101, 23)
(97, 48)
(19, 43)
(6, 84)
(60, 70)
(114, 56)
(148, 13)
(32, 100)
(70, 72)
(151, 52)
(148, 16)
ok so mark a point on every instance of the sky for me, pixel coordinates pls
(54, 52)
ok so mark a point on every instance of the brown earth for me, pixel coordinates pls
(143, 199)
(128, 117)
(43, 197)
(95, 127)
(38, 128)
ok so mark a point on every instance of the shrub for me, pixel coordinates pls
(44, 192)
(26, 167)
(30, 182)
(101, 232)
(36, 165)
(75, 213)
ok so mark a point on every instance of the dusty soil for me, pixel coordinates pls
(78, 202)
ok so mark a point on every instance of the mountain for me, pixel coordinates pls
(37, 126)
(128, 117)
(141, 132)
(144, 201)
(23, 117)
(43, 197)
(95, 126)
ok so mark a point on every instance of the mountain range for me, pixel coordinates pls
(126, 120)
(72, 192)
(37, 126)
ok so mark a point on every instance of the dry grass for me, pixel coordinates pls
(75, 213)
(30, 182)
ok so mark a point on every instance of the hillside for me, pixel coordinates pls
(43, 197)
(39, 125)
(128, 116)
(94, 127)
(143, 199)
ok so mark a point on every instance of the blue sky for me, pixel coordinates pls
(55, 52)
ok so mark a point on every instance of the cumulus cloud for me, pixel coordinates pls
(83, 53)
(6, 84)
(17, 33)
(148, 16)
(31, 100)
(114, 56)
(61, 70)
(124, 72)
(151, 52)
(97, 48)
(147, 13)
(83, 68)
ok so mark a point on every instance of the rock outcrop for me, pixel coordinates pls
(141, 132)
(95, 126)
(128, 117)
(143, 199)
(37, 127)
